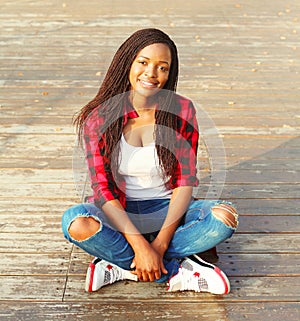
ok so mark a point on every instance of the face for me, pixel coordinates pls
(149, 71)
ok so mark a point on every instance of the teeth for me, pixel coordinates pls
(147, 83)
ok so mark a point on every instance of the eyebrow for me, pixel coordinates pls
(165, 62)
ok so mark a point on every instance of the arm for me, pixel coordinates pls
(179, 203)
(101, 177)
(185, 178)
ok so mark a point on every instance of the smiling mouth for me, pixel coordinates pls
(147, 84)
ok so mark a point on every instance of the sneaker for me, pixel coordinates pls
(101, 273)
(197, 275)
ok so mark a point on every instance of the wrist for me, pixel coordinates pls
(137, 242)
(160, 245)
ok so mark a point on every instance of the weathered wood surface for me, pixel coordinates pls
(239, 63)
(118, 311)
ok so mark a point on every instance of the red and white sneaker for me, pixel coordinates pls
(101, 273)
(197, 275)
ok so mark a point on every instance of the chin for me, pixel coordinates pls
(147, 92)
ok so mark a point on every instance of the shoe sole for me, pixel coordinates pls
(220, 273)
(89, 278)
(90, 275)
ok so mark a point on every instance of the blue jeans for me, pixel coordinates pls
(198, 231)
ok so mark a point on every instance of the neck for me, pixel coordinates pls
(141, 103)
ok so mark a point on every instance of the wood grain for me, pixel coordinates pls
(239, 63)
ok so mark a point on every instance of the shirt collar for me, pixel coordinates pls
(129, 111)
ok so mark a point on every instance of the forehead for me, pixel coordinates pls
(157, 52)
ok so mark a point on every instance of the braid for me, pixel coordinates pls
(116, 81)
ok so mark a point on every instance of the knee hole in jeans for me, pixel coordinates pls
(226, 213)
(83, 228)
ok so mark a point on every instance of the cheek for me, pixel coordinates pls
(131, 76)
(134, 73)
(135, 70)
(164, 79)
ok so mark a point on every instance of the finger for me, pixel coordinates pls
(145, 276)
(163, 268)
(139, 276)
(157, 275)
(152, 276)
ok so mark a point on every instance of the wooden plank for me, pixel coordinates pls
(65, 162)
(32, 101)
(36, 129)
(264, 163)
(32, 288)
(50, 222)
(287, 131)
(113, 311)
(34, 243)
(56, 190)
(231, 192)
(51, 145)
(55, 206)
(29, 162)
(266, 289)
(268, 206)
(215, 77)
(247, 191)
(235, 175)
(63, 175)
(135, 311)
(240, 243)
(31, 223)
(248, 122)
(40, 207)
(33, 176)
(30, 159)
(257, 244)
(265, 264)
(40, 264)
(238, 264)
(261, 243)
(269, 224)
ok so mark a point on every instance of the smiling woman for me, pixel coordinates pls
(141, 140)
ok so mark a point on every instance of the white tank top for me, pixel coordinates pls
(140, 168)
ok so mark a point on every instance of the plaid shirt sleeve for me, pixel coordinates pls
(186, 145)
(102, 182)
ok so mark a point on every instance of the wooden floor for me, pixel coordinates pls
(240, 63)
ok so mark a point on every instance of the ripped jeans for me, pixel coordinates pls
(198, 231)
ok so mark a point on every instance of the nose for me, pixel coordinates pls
(151, 71)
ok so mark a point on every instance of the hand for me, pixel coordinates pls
(159, 247)
(148, 264)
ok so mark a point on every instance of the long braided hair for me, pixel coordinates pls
(116, 82)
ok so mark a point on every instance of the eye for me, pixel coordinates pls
(163, 68)
(142, 62)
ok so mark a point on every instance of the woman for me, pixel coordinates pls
(141, 141)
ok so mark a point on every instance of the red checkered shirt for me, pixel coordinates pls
(106, 187)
